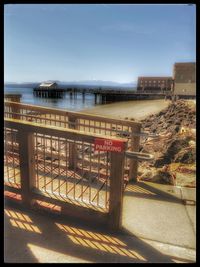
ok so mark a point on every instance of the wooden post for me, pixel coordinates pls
(116, 190)
(27, 165)
(72, 147)
(135, 145)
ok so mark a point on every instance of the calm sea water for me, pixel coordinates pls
(61, 103)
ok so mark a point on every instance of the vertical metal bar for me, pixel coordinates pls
(116, 190)
(59, 151)
(6, 148)
(89, 125)
(98, 177)
(13, 162)
(65, 117)
(51, 166)
(135, 144)
(44, 162)
(82, 171)
(73, 153)
(27, 164)
(66, 149)
(89, 180)
(37, 175)
(74, 177)
(50, 121)
(94, 126)
(106, 187)
(84, 125)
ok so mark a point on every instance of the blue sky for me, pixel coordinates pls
(96, 42)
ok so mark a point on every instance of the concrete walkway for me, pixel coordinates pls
(162, 215)
(158, 226)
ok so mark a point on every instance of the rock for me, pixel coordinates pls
(186, 156)
(161, 113)
(158, 176)
(163, 160)
(164, 177)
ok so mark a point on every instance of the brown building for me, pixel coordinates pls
(184, 75)
(155, 84)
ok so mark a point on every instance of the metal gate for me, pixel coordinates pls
(58, 168)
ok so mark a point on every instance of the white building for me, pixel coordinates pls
(48, 85)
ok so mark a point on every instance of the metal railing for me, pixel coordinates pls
(12, 97)
(127, 129)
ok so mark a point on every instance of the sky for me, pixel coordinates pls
(108, 42)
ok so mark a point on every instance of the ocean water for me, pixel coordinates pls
(60, 103)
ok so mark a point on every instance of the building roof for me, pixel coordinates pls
(47, 84)
(184, 63)
(155, 77)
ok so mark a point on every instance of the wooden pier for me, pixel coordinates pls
(48, 92)
(101, 96)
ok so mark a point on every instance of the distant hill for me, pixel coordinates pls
(99, 83)
(21, 85)
(86, 83)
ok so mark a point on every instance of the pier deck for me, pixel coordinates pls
(102, 96)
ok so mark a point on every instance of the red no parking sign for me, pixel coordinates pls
(109, 145)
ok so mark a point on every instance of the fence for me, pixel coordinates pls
(39, 164)
(12, 97)
(83, 122)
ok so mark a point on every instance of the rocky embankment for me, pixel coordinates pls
(174, 148)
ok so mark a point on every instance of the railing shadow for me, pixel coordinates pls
(144, 190)
(27, 229)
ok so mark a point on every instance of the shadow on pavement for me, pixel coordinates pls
(32, 237)
(144, 190)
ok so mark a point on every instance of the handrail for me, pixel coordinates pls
(58, 131)
(143, 134)
(79, 115)
(82, 122)
(139, 156)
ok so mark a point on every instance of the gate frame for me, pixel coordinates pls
(26, 130)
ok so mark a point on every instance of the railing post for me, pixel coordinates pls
(27, 164)
(135, 145)
(116, 190)
(73, 155)
(15, 112)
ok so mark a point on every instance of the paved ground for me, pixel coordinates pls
(159, 225)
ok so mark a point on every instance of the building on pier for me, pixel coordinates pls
(184, 75)
(48, 89)
(154, 84)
